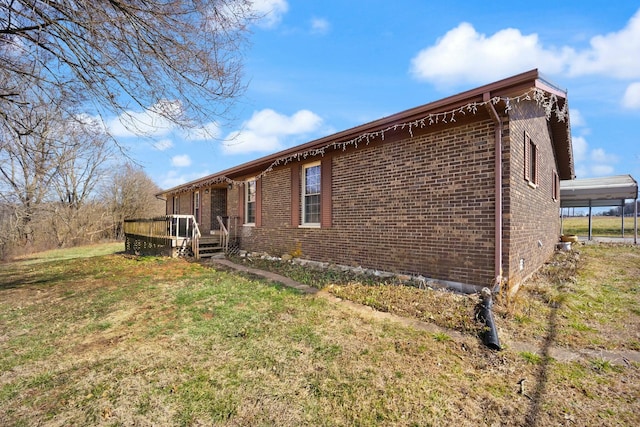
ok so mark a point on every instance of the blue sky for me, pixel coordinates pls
(318, 67)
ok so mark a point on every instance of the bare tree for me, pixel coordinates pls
(50, 164)
(6, 229)
(130, 193)
(181, 58)
(82, 163)
(28, 160)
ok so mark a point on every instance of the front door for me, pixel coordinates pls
(218, 206)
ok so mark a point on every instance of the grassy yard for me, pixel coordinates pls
(601, 226)
(121, 340)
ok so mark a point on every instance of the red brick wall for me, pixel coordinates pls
(532, 221)
(186, 207)
(421, 205)
(185, 203)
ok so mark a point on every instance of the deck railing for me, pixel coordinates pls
(162, 235)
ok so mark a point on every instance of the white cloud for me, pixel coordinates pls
(580, 148)
(266, 129)
(173, 178)
(163, 144)
(207, 132)
(181, 161)
(320, 26)
(598, 155)
(270, 12)
(576, 118)
(272, 123)
(631, 98)
(94, 122)
(250, 141)
(150, 122)
(594, 162)
(465, 55)
(615, 54)
(601, 170)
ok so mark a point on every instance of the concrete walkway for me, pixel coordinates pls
(266, 275)
(558, 353)
(596, 239)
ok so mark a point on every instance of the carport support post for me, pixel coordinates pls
(589, 238)
(635, 221)
(622, 210)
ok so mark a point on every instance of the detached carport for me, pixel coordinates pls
(601, 192)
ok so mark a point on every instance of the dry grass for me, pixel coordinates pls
(443, 308)
(592, 296)
(601, 226)
(117, 340)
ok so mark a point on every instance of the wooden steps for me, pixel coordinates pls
(209, 246)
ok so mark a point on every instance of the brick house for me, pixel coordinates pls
(464, 190)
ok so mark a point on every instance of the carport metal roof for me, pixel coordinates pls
(597, 192)
(601, 192)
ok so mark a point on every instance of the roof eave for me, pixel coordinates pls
(514, 85)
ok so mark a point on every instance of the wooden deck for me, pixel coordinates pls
(174, 235)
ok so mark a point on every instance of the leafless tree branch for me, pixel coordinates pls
(130, 54)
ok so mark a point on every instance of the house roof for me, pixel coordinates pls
(499, 93)
(598, 192)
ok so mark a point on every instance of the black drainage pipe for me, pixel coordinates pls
(485, 315)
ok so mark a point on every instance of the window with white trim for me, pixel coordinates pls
(176, 205)
(250, 202)
(311, 194)
(196, 206)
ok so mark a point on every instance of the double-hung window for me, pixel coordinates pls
(250, 202)
(196, 206)
(311, 194)
(555, 189)
(530, 161)
(176, 205)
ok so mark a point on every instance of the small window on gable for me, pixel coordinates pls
(250, 202)
(530, 160)
(311, 194)
(555, 186)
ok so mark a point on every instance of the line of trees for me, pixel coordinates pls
(64, 65)
(63, 180)
(627, 210)
(69, 189)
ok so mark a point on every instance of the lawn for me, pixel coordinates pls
(601, 226)
(121, 340)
